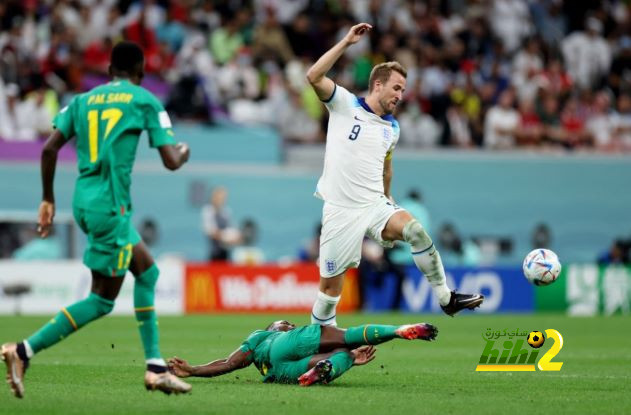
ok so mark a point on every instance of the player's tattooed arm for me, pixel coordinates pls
(237, 360)
(48, 165)
(174, 157)
(316, 75)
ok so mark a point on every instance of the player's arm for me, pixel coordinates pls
(160, 130)
(237, 360)
(387, 175)
(48, 165)
(174, 156)
(316, 75)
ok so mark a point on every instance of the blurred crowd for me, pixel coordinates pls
(497, 74)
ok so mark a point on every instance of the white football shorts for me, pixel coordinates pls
(343, 231)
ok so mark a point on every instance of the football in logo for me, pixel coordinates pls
(536, 339)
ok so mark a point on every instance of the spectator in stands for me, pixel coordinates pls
(587, 54)
(573, 123)
(239, 79)
(501, 123)
(96, 56)
(554, 79)
(458, 250)
(527, 65)
(300, 38)
(530, 131)
(621, 123)
(206, 16)
(172, 32)
(294, 123)
(247, 253)
(548, 111)
(418, 129)
(460, 56)
(216, 223)
(599, 124)
(618, 253)
(195, 89)
(510, 20)
(270, 41)
(23, 119)
(541, 236)
(620, 73)
(226, 40)
(549, 20)
(458, 123)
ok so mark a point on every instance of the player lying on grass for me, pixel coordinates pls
(284, 353)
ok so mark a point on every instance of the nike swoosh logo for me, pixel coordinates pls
(358, 119)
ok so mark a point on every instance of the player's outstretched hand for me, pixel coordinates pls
(356, 32)
(184, 150)
(45, 218)
(363, 355)
(179, 367)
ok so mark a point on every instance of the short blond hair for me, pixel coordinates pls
(383, 71)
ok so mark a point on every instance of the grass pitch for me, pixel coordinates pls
(99, 370)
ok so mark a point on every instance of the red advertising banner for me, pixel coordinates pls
(223, 287)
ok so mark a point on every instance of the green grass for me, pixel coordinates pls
(99, 370)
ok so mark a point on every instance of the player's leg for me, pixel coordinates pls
(332, 338)
(329, 294)
(70, 319)
(403, 227)
(105, 256)
(326, 367)
(146, 275)
(340, 249)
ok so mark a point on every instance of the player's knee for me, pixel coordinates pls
(149, 278)
(102, 306)
(332, 286)
(415, 235)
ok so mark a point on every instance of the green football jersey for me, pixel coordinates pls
(258, 344)
(107, 122)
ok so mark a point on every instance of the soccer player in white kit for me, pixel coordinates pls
(355, 183)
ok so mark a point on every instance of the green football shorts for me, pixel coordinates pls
(111, 238)
(290, 354)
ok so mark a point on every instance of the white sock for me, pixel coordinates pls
(323, 312)
(156, 361)
(28, 348)
(427, 259)
(430, 264)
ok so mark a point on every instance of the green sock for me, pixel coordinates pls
(341, 361)
(69, 320)
(369, 334)
(144, 294)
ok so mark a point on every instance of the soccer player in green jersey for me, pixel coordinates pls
(306, 355)
(107, 122)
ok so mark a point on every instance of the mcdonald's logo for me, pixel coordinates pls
(200, 291)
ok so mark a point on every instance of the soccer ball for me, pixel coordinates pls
(541, 267)
(536, 339)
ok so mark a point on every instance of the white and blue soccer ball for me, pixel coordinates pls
(541, 267)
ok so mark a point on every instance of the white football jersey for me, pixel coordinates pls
(357, 143)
